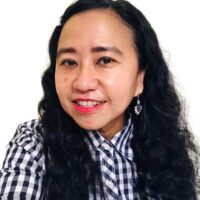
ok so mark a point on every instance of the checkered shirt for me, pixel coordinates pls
(115, 158)
(24, 167)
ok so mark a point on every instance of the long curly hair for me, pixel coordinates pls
(164, 150)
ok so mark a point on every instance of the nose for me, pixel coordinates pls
(85, 80)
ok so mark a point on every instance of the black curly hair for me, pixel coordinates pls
(164, 149)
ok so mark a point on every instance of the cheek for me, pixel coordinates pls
(61, 83)
(121, 88)
(58, 83)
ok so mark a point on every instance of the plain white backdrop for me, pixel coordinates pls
(25, 28)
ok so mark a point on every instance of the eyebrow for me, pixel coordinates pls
(94, 50)
(107, 48)
(66, 50)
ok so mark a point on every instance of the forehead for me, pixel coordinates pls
(101, 24)
(96, 15)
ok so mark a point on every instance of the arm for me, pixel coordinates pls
(23, 167)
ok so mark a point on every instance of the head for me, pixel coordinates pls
(103, 54)
(98, 50)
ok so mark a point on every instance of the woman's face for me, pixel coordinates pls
(97, 73)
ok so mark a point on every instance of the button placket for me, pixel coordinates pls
(109, 169)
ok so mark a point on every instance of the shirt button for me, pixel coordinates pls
(105, 146)
(110, 184)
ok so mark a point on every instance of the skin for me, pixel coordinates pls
(96, 60)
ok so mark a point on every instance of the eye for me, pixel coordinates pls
(69, 63)
(105, 60)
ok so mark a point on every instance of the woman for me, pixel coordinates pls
(111, 125)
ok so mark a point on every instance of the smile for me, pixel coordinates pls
(88, 103)
(87, 106)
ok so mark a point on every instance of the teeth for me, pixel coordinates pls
(88, 103)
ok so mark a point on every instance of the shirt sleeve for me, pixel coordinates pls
(23, 167)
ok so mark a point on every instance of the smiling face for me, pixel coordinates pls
(97, 73)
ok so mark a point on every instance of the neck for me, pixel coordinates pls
(109, 131)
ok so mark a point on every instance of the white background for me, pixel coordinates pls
(25, 28)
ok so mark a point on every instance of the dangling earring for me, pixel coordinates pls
(138, 107)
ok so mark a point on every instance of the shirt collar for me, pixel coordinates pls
(120, 142)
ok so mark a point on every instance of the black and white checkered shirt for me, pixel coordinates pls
(115, 157)
(23, 167)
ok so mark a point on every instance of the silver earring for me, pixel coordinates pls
(138, 107)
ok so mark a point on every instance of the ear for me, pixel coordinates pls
(139, 83)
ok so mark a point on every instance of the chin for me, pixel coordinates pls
(89, 127)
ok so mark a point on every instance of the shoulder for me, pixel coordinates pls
(27, 143)
(30, 130)
(28, 137)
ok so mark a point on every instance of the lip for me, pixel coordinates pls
(86, 109)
